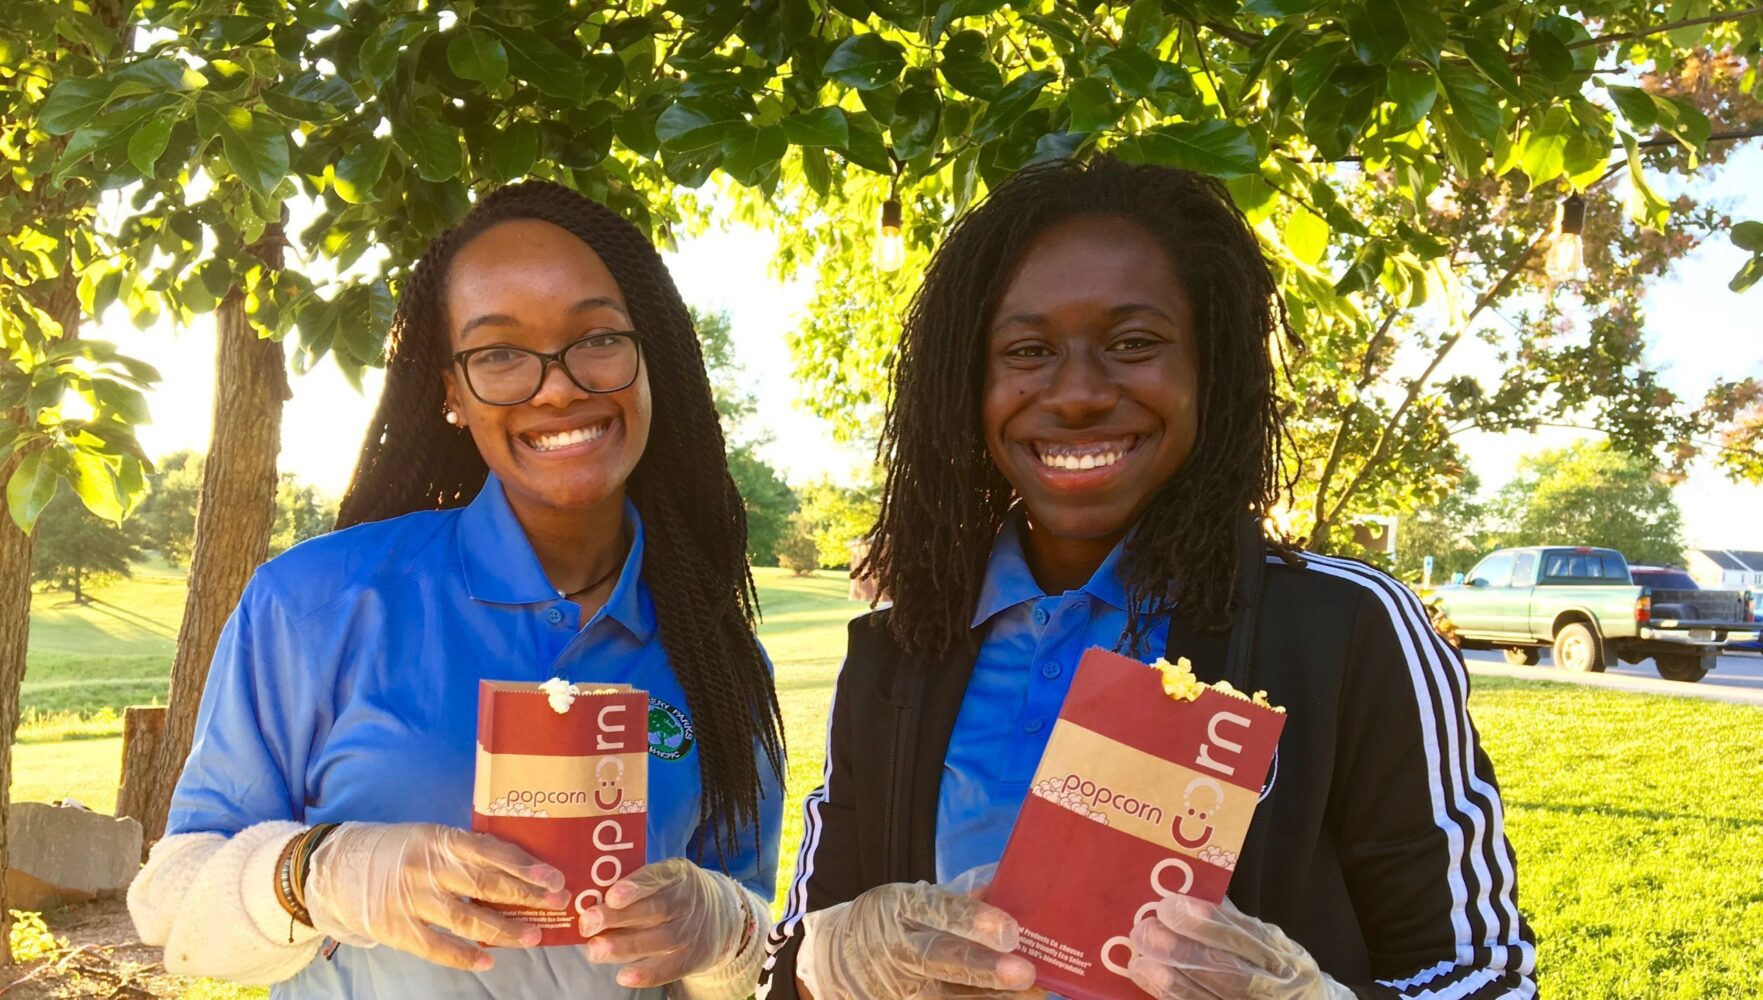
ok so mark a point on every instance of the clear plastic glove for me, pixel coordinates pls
(670, 920)
(1193, 950)
(915, 942)
(406, 885)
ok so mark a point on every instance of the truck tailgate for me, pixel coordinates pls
(1699, 606)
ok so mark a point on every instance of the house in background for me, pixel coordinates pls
(1725, 569)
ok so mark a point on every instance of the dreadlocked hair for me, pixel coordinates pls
(695, 526)
(944, 500)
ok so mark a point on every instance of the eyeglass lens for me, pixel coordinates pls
(511, 375)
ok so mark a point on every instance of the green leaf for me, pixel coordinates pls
(311, 97)
(1644, 205)
(748, 154)
(1748, 275)
(432, 145)
(819, 127)
(1314, 68)
(916, 116)
(816, 170)
(1091, 105)
(513, 152)
(71, 104)
(255, 145)
(865, 147)
(698, 123)
(477, 54)
(1377, 31)
(94, 481)
(1543, 153)
(29, 490)
(1494, 64)
(1472, 100)
(1748, 236)
(1220, 148)
(866, 62)
(966, 63)
(146, 145)
(533, 58)
(1426, 28)
(1635, 104)
(360, 169)
(1058, 146)
(1011, 104)
(1306, 236)
(1413, 88)
(1550, 56)
(1133, 70)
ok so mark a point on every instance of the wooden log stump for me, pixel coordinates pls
(142, 728)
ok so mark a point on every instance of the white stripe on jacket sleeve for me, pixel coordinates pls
(796, 905)
(1458, 795)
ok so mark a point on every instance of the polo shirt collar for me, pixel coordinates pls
(499, 566)
(1009, 582)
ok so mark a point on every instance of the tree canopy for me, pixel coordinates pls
(1591, 494)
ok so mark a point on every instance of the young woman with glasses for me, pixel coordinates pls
(543, 493)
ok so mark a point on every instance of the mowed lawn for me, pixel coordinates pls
(1638, 820)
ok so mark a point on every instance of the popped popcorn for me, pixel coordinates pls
(1180, 684)
(1053, 790)
(559, 693)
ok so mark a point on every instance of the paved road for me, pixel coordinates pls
(1737, 679)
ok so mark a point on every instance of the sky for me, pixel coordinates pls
(1698, 330)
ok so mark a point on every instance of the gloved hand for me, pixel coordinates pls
(1192, 950)
(915, 942)
(672, 919)
(404, 885)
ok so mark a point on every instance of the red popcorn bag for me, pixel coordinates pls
(563, 772)
(1145, 790)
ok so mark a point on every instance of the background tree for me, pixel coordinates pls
(166, 520)
(301, 512)
(1453, 531)
(797, 552)
(836, 515)
(1593, 494)
(74, 546)
(378, 121)
(769, 499)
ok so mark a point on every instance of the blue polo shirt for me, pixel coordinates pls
(345, 688)
(1030, 644)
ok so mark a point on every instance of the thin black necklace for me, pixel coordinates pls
(616, 566)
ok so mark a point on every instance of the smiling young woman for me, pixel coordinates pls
(542, 494)
(1083, 445)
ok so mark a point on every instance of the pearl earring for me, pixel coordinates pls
(452, 417)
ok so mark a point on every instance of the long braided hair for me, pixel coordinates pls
(695, 526)
(944, 500)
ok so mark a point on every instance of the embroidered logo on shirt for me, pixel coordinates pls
(670, 732)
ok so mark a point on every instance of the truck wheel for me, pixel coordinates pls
(1522, 656)
(1578, 648)
(1688, 669)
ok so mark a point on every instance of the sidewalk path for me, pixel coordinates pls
(1735, 691)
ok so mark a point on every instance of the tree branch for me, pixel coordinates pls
(1337, 447)
(1387, 432)
(1660, 29)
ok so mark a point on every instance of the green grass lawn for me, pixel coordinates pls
(1637, 819)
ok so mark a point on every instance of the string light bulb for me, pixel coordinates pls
(1566, 255)
(890, 245)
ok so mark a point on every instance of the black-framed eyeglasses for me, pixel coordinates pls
(505, 375)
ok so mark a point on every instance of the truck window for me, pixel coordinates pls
(1568, 565)
(1615, 567)
(1495, 570)
(1524, 570)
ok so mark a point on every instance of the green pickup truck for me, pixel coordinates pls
(1581, 603)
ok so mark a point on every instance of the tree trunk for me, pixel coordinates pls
(15, 621)
(233, 520)
(142, 726)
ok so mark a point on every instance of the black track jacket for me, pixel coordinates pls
(1380, 845)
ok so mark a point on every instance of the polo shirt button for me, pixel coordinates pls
(554, 616)
(1040, 616)
(1049, 670)
(1034, 725)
